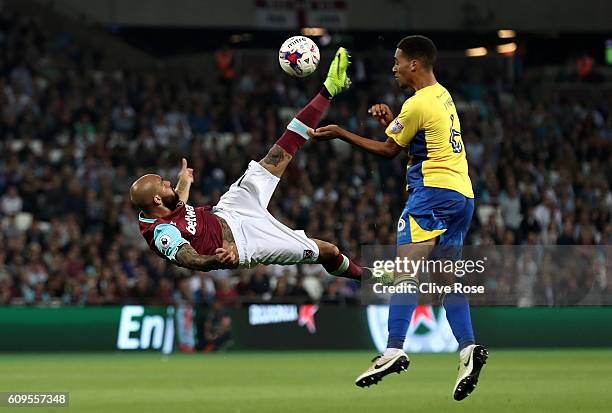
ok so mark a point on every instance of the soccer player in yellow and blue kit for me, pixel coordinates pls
(440, 202)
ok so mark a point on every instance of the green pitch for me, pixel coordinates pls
(512, 381)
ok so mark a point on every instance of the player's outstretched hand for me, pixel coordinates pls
(185, 174)
(325, 133)
(227, 258)
(382, 113)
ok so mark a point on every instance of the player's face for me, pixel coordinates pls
(402, 69)
(168, 195)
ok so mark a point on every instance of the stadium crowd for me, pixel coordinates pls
(73, 138)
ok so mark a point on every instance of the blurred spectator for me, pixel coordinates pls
(11, 203)
(217, 328)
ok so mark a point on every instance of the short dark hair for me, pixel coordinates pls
(419, 47)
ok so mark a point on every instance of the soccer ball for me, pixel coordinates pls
(299, 56)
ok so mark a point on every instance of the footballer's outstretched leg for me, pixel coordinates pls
(296, 135)
(471, 360)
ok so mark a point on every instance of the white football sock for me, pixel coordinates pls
(390, 352)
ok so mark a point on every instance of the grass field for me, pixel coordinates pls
(512, 381)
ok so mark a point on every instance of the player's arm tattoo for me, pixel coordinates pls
(226, 233)
(276, 155)
(187, 257)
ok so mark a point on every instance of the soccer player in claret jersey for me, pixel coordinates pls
(439, 206)
(239, 232)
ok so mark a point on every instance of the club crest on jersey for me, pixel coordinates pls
(396, 126)
(190, 218)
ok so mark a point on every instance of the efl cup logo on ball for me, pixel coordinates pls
(299, 56)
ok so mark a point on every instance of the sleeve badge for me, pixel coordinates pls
(396, 126)
(164, 240)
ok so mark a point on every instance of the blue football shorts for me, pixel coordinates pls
(435, 212)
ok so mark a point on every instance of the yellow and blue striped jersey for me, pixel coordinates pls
(429, 127)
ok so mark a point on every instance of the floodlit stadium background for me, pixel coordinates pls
(94, 94)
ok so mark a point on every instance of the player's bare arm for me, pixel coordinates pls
(388, 149)
(188, 257)
(185, 180)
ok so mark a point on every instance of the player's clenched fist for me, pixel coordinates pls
(227, 257)
(382, 113)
